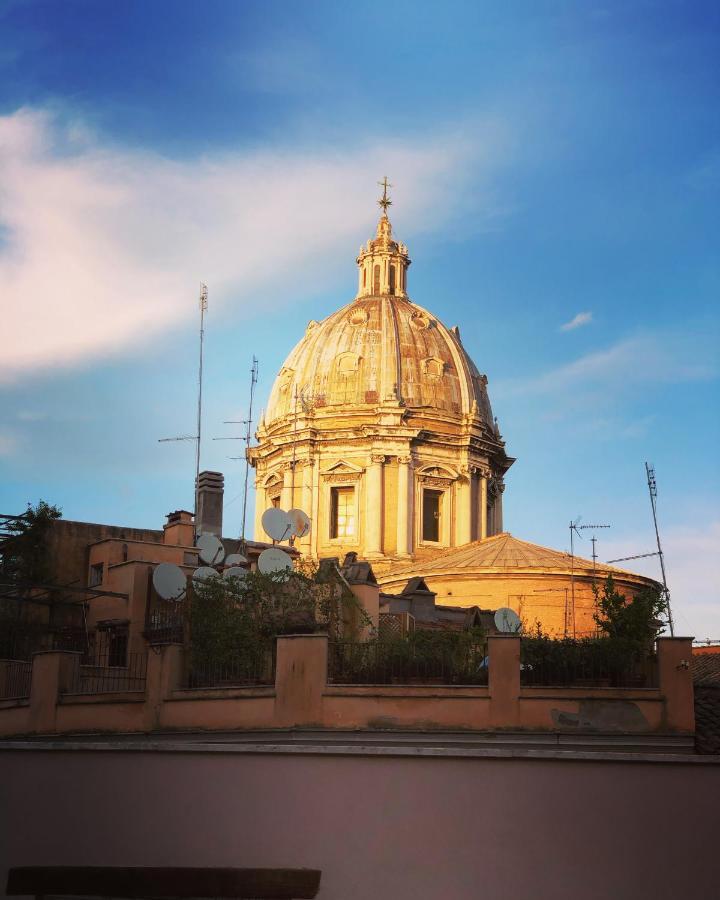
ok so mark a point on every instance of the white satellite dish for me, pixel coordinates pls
(210, 548)
(203, 574)
(235, 559)
(300, 522)
(169, 581)
(274, 560)
(235, 572)
(507, 620)
(276, 523)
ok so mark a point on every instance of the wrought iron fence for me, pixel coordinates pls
(599, 662)
(102, 675)
(15, 678)
(256, 666)
(406, 662)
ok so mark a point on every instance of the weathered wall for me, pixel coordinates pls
(386, 827)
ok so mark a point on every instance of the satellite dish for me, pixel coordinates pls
(276, 523)
(235, 559)
(169, 581)
(299, 522)
(202, 575)
(235, 572)
(211, 550)
(507, 620)
(273, 560)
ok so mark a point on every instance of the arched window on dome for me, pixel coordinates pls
(376, 280)
(392, 279)
(433, 366)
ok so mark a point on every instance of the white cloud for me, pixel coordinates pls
(692, 560)
(105, 246)
(652, 358)
(582, 318)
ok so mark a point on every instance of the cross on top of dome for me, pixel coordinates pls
(385, 201)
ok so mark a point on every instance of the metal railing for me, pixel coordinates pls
(256, 667)
(401, 662)
(15, 678)
(99, 676)
(588, 663)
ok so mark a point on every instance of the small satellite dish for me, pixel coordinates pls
(507, 620)
(299, 522)
(276, 523)
(203, 574)
(235, 572)
(235, 559)
(211, 550)
(169, 581)
(274, 560)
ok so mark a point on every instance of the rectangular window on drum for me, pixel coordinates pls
(431, 515)
(342, 512)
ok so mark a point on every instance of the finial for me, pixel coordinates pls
(385, 201)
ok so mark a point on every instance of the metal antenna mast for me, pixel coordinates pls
(652, 488)
(248, 433)
(203, 307)
(196, 437)
(246, 437)
(576, 528)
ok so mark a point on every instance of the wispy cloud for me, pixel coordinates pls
(652, 358)
(105, 246)
(582, 318)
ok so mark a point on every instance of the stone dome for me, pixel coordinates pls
(381, 348)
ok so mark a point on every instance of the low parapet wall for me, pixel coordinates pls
(302, 698)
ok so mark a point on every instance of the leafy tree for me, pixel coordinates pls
(25, 557)
(634, 622)
(235, 620)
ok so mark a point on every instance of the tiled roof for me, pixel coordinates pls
(502, 551)
(706, 669)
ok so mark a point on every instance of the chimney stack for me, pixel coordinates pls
(211, 486)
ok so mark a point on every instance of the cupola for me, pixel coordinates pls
(383, 262)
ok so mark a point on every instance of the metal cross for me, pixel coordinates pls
(385, 201)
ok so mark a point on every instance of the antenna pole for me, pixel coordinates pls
(652, 488)
(203, 307)
(248, 431)
(572, 574)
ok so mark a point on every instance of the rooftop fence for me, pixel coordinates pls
(585, 663)
(404, 662)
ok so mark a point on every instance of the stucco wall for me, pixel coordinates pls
(380, 827)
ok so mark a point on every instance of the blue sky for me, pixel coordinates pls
(553, 162)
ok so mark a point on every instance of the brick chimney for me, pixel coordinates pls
(211, 486)
(179, 530)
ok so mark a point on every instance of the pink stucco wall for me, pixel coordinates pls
(378, 827)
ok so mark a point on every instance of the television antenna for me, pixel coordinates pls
(247, 436)
(575, 529)
(198, 435)
(652, 489)
(307, 401)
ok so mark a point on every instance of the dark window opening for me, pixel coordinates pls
(431, 515)
(96, 575)
(117, 647)
(342, 512)
(392, 279)
(376, 280)
(275, 501)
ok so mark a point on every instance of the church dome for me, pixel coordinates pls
(381, 348)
